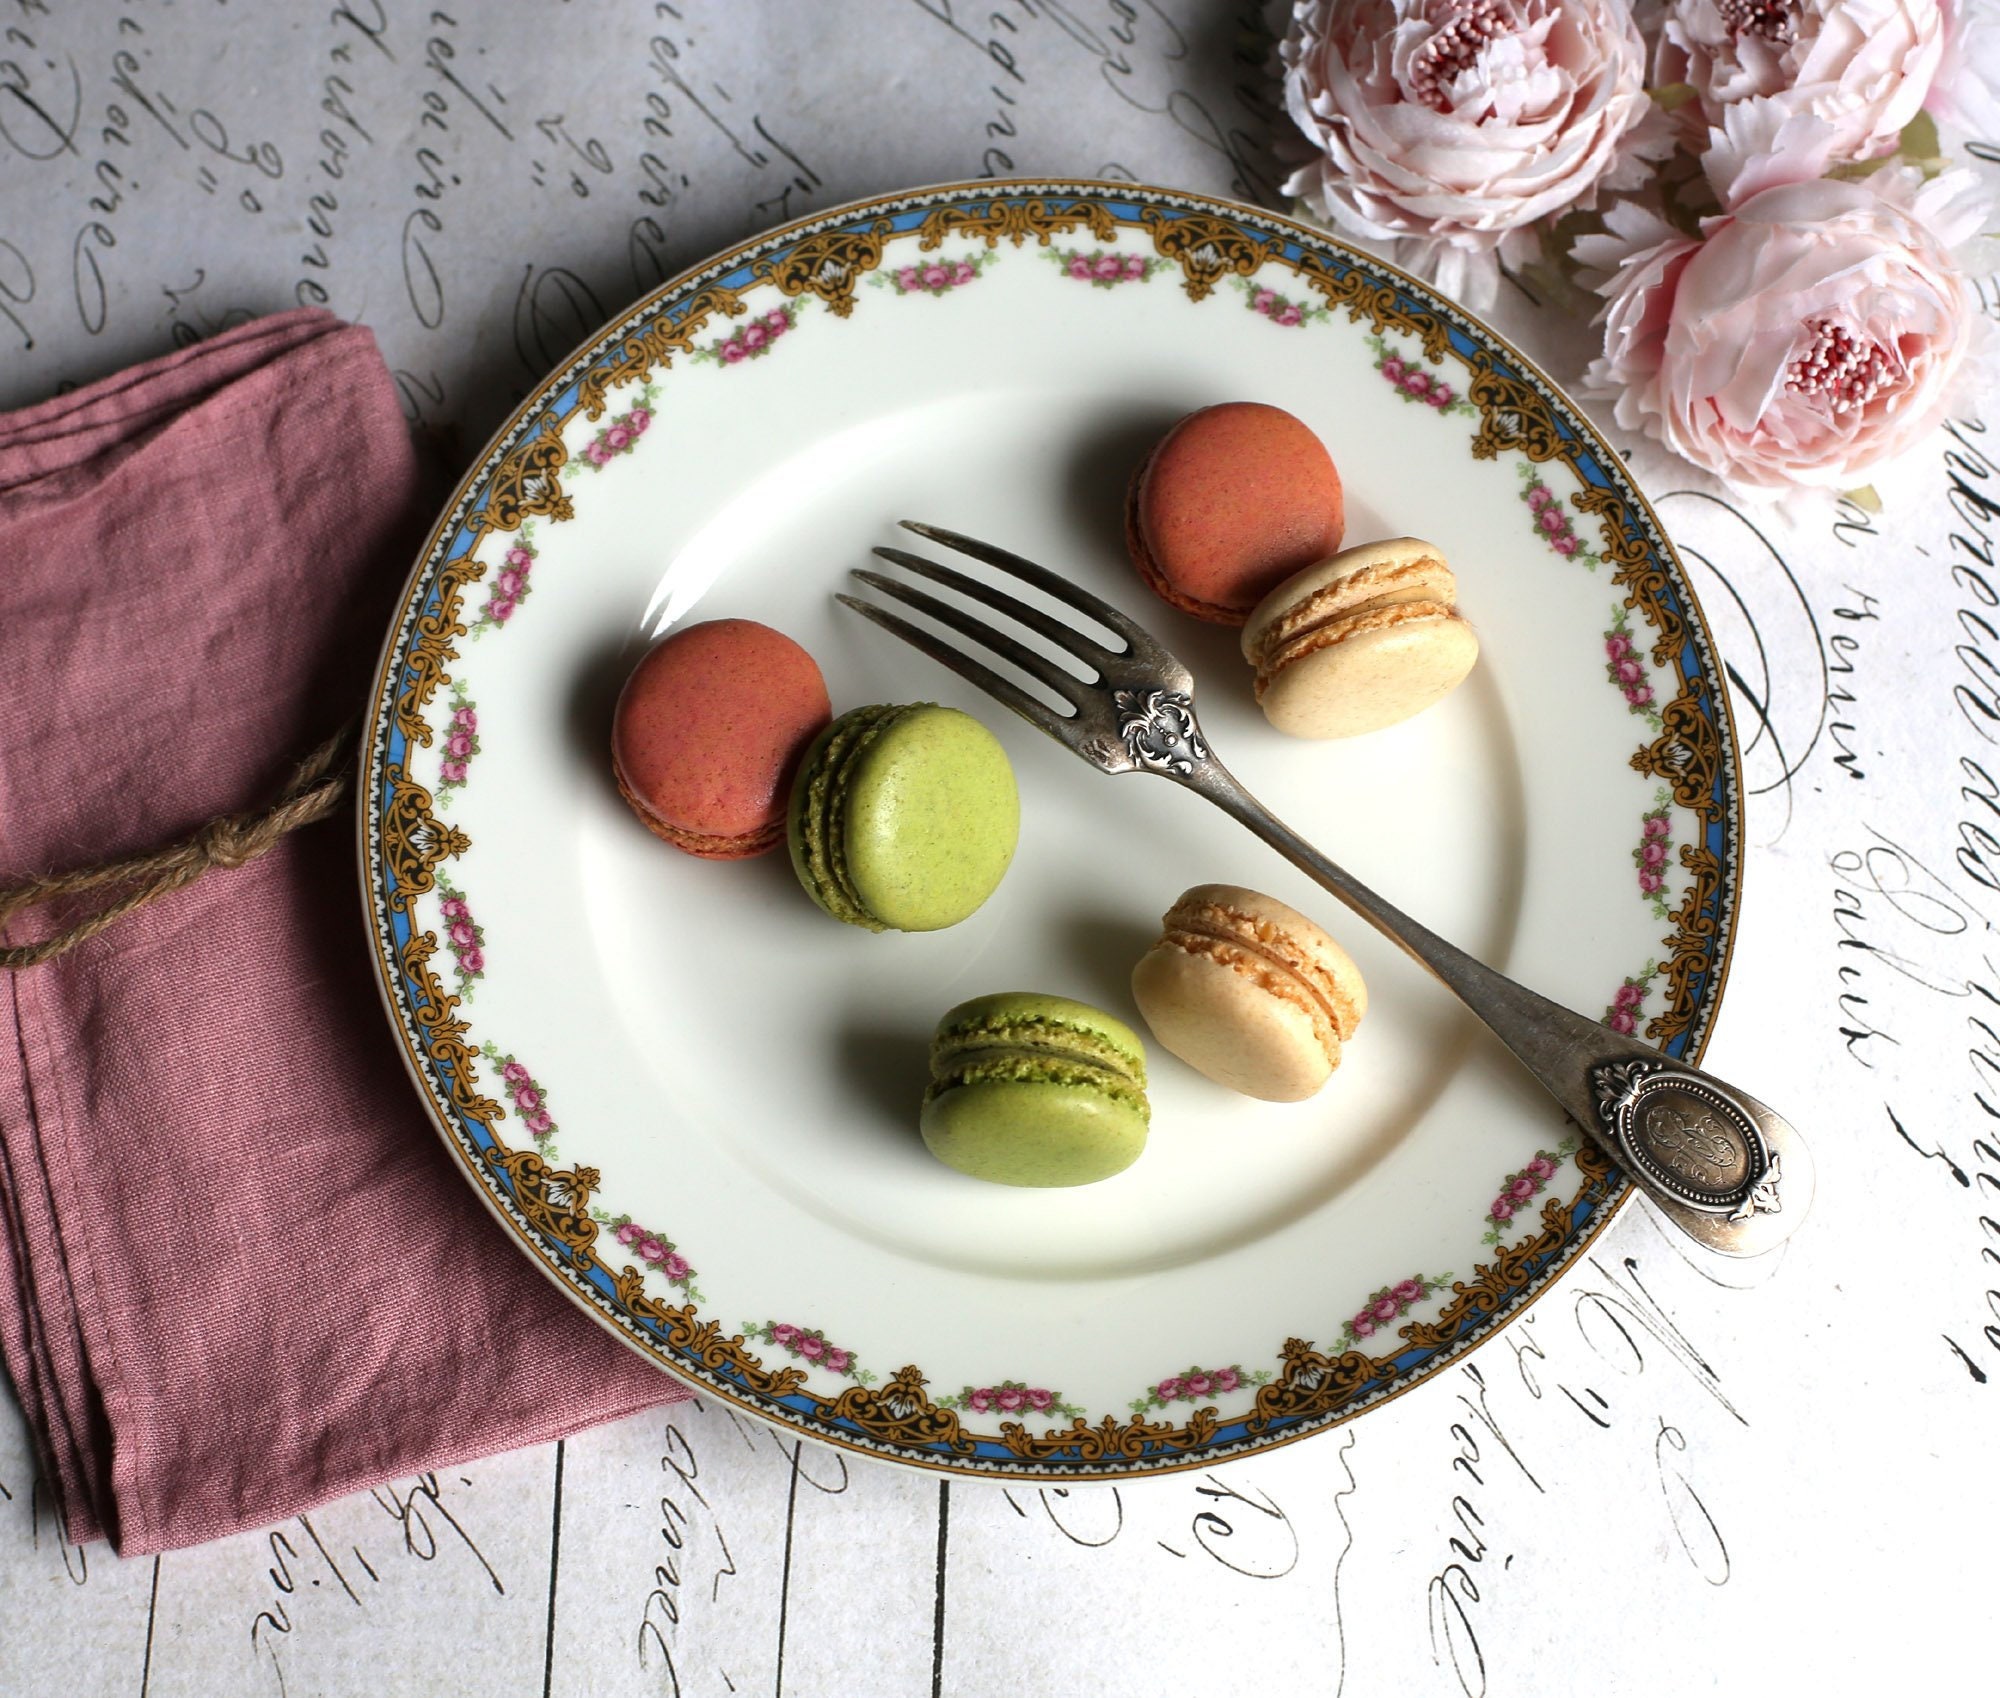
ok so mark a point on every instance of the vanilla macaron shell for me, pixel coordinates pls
(1365, 638)
(1250, 993)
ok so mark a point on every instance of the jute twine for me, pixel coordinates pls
(316, 787)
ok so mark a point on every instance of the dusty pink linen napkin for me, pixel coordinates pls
(241, 1275)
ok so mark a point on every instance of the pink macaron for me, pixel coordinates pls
(708, 731)
(1233, 501)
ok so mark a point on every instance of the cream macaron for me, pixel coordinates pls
(1250, 993)
(1367, 637)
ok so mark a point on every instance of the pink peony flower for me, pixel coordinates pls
(812, 1349)
(1407, 1291)
(1227, 1379)
(1363, 1325)
(1522, 1189)
(732, 352)
(1167, 1390)
(1810, 335)
(527, 1098)
(1621, 1021)
(1385, 1308)
(462, 934)
(1502, 1210)
(638, 419)
(1456, 124)
(839, 1360)
(514, 1073)
(1079, 268)
(473, 961)
(1966, 90)
(1827, 79)
(618, 438)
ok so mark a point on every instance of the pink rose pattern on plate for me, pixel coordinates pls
(1520, 1189)
(1103, 270)
(619, 435)
(509, 586)
(932, 276)
(1552, 524)
(1630, 1000)
(1390, 1304)
(524, 1091)
(1010, 1397)
(1193, 1385)
(1268, 303)
(810, 1345)
(461, 743)
(1650, 857)
(464, 937)
(1626, 668)
(1416, 381)
(655, 1249)
(754, 339)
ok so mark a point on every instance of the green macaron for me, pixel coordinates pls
(1038, 1090)
(903, 818)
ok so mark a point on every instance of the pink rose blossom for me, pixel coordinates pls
(509, 581)
(909, 279)
(1135, 267)
(1639, 695)
(1542, 1168)
(629, 1234)
(466, 717)
(1522, 1189)
(462, 934)
(1386, 1309)
(1442, 395)
(1502, 1210)
(733, 351)
(1814, 332)
(1198, 1385)
(777, 321)
(1417, 382)
(617, 439)
(1291, 315)
(1630, 671)
(527, 1098)
(651, 1249)
(597, 454)
(1629, 996)
(459, 745)
(1617, 647)
(1263, 300)
(453, 772)
(1407, 1291)
(1457, 124)
(1108, 266)
(539, 1125)
(639, 418)
(473, 961)
(1564, 545)
(1167, 1390)
(963, 272)
(1227, 1379)
(502, 611)
(1009, 1398)
(454, 908)
(1621, 1021)
(1654, 852)
(514, 1073)
(839, 1360)
(1079, 268)
(1363, 1325)
(1829, 79)
(784, 1333)
(936, 277)
(675, 1266)
(1539, 496)
(752, 337)
(1551, 519)
(1039, 1400)
(1650, 882)
(1655, 826)
(981, 1400)
(812, 1349)
(519, 558)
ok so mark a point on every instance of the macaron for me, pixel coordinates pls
(903, 818)
(1250, 993)
(708, 731)
(1360, 640)
(1234, 500)
(1036, 1090)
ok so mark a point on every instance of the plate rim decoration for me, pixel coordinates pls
(405, 842)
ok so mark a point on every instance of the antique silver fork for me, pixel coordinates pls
(1716, 1162)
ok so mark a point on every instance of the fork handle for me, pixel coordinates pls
(1720, 1165)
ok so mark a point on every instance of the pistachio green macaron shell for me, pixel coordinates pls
(904, 818)
(1035, 1090)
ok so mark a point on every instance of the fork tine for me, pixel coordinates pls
(1136, 639)
(1037, 714)
(1065, 684)
(1066, 637)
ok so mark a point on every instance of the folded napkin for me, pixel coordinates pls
(241, 1275)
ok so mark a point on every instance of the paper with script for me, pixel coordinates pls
(1668, 1475)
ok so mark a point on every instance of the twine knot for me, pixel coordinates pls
(314, 789)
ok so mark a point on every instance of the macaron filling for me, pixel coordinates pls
(819, 842)
(1377, 616)
(1040, 1034)
(1036, 1067)
(1374, 598)
(1250, 944)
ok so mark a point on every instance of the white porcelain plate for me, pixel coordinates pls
(693, 1098)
